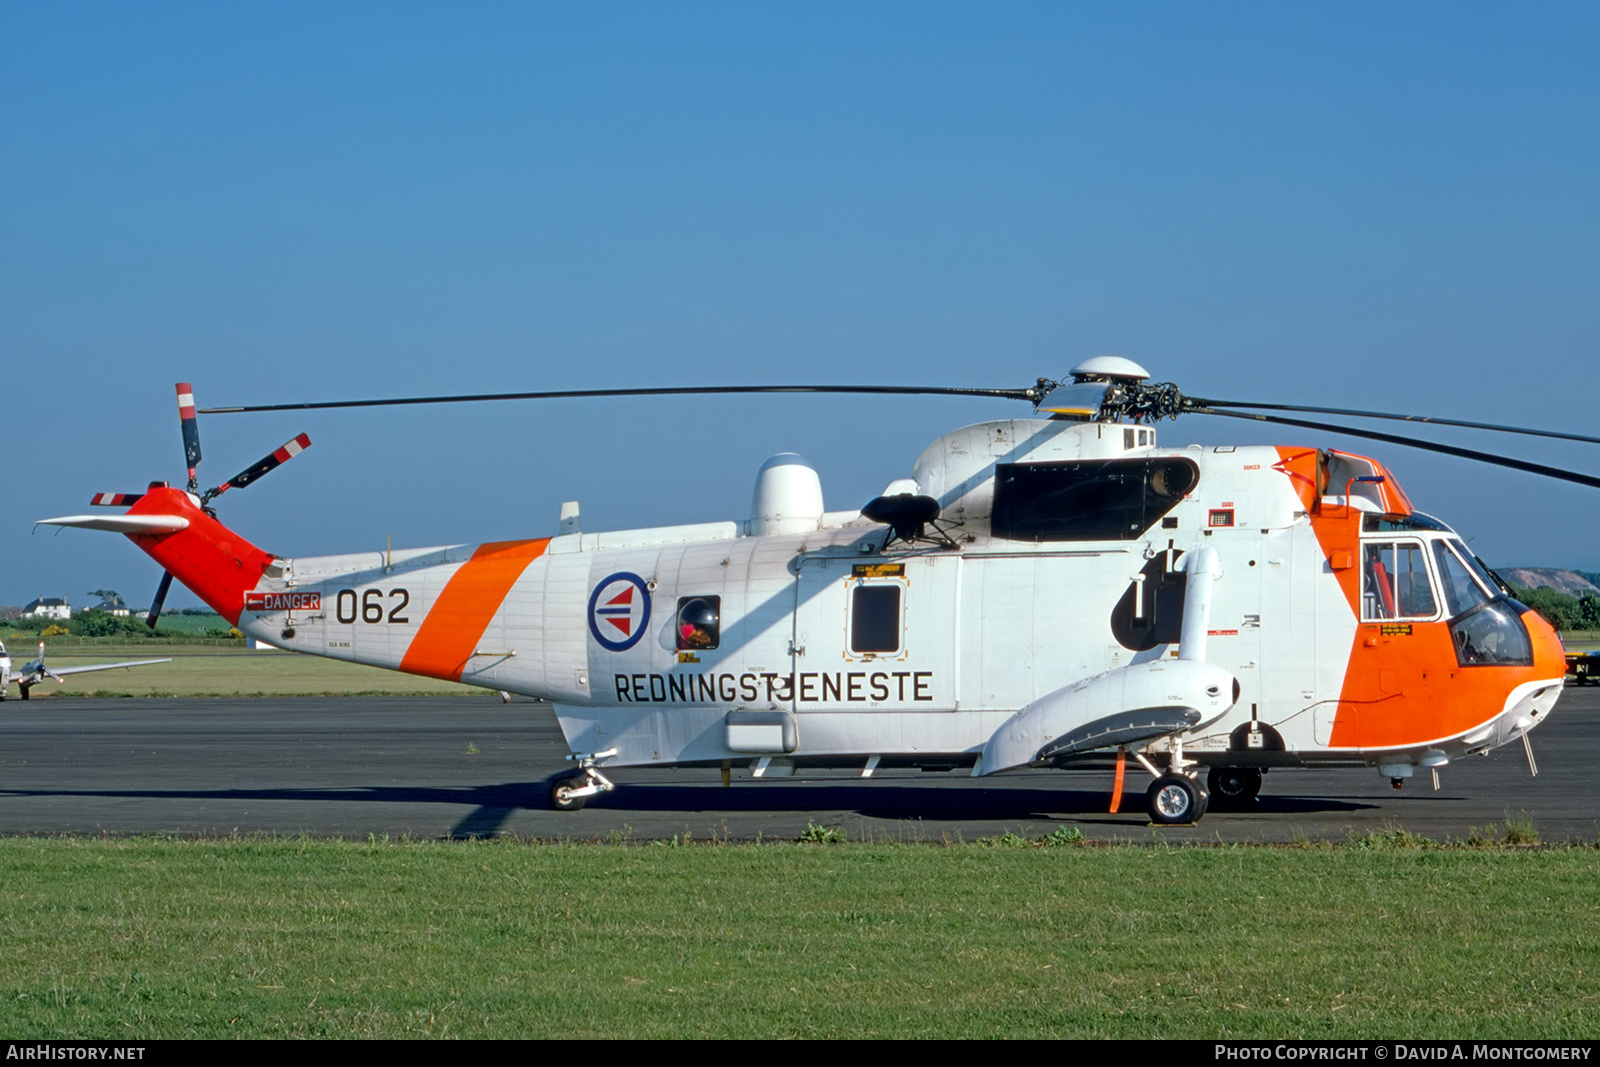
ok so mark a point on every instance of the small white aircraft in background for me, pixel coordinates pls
(34, 672)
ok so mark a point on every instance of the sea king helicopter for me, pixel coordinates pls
(1056, 591)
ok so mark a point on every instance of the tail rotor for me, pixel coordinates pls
(191, 455)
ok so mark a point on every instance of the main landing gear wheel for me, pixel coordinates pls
(1175, 798)
(1234, 785)
(561, 797)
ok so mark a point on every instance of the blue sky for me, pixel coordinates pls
(1381, 206)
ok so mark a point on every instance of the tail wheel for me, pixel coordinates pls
(1173, 799)
(1234, 785)
(561, 791)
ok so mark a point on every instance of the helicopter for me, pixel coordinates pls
(1058, 591)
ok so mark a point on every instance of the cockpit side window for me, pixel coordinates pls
(1396, 583)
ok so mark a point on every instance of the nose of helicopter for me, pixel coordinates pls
(1529, 703)
(1549, 658)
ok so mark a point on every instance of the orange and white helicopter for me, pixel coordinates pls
(1057, 591)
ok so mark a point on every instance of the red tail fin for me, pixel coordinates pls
(213, 561)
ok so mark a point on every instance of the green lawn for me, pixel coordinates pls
(270, 938)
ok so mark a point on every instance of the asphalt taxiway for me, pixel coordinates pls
(434, 767)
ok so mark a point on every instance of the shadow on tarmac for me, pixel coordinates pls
(493, 805)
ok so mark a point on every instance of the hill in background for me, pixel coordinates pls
(1573, 583)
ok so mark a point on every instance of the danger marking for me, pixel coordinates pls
(283, 602)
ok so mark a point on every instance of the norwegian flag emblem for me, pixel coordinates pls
(619, 611)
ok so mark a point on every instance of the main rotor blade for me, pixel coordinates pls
(265, 465)
(1029, 393)
(1412, 442)
(1400, 418)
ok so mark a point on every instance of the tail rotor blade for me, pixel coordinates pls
(191, 432)
(161, 598)
(266, 465)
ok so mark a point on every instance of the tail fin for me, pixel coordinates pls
(215, 563)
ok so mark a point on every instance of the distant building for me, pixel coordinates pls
(49, 607)
(113, 605)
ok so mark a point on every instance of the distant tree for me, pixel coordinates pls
(1558, 609)
(1589, 613)
(109, 598)
(96, 623)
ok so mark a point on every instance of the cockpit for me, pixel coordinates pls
(1417, 570)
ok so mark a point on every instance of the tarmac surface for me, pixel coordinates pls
(436, 767)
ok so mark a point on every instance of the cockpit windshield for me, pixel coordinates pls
(1463, 590)
(1486, 629)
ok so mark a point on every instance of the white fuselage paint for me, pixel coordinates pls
(987, 628)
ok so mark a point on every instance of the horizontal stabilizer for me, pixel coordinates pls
(126, 524)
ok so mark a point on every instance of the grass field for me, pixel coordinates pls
(225, 670)
(271, 938)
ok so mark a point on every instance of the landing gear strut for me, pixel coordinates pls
(1176, 796)
(571, 792)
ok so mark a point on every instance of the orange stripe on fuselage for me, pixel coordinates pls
(453, 627)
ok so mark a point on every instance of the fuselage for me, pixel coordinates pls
(1357, 629)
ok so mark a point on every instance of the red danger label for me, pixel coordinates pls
(283, 602)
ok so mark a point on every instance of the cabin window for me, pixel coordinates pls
(1396, 582)
(875, 618)
(1087, 500)
(699, 623)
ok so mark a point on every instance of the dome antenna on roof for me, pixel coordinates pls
(1109, 369)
